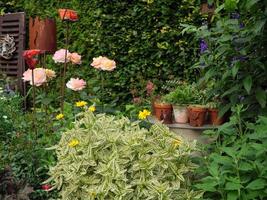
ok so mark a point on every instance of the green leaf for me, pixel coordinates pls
(233, 186)
(245, 166)
(214, 169)
(261, 97)
(208, 186)
(230, 151)
(231, 90)
(233, 195)
(224, 109)
(247, 82)
(257, 184)
(250, 3)
(235, 69)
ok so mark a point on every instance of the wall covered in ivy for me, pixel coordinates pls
(142, 36)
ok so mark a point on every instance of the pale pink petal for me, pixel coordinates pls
(76, 84)
(75, 58)
(59, 56)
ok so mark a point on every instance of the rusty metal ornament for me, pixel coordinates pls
(7, 46)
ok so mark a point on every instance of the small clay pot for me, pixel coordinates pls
(163, 112)
(180, 114)
(197, 115)
(214, 117)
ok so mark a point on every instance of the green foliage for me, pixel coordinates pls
(236, 57)
(143, 37)
(116, 159)
(236, 166)
(185, 93)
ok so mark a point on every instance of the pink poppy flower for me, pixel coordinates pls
(59, 56)
(39, 76)
(103, 63)
(75, 58)
(76, 84)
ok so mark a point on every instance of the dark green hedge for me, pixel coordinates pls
(142, 36)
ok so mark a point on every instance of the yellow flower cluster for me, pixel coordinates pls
(73, 143)
(59, 116)
(92, 108)
(81, 103)
(143, 114)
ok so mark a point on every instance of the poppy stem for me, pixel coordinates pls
(63, 79)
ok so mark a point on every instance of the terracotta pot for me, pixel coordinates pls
(197, 115)
(180, 114)
(163, 112)
(43, 34)
(153, 100)
(214, 117)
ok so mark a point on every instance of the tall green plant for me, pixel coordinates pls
(236, 167)
(234, 57)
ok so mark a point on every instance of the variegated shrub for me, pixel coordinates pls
(103, 157)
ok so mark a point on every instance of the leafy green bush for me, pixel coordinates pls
(108, 158)
(237, 165)
(234, 56)
(142, 36)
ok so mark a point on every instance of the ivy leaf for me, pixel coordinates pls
(257, 184)
(261, 97)
(247, 82)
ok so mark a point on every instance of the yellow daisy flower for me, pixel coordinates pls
(81, 103)
(146, 112)
(73, 143)
(92, 108)
(60, 116)
(143, 114)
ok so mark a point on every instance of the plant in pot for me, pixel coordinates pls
(163, 110)
(197, 108)
(179, 98)
(213, 113)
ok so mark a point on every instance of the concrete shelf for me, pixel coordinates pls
(188, 132)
